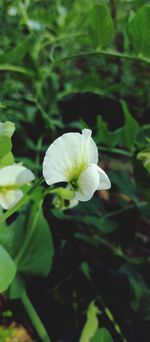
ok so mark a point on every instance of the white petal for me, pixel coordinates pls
(88, 183)
(8, 198)
(62, 155)
(68, 155)
(104, 182)
(73, 203)
(15, 175)
(92, 148)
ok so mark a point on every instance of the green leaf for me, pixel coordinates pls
(6, 145)
(106, 137)
(8, 159)
(143, 138)
(102, 223)
(141, 161)
(103, 134)
(130, 129)
(140, 292)
(100, 26)
(145, 157)
(16, 288)
(139, 30)
(91, 324)
(7, 269)
(37, 250)
(84, 267)
(7, 128)
(6, 131)
(12, 236)
(102, 335)
(142, 177)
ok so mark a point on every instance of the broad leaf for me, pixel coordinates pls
(140, 292)
(139, 30)
(37, 250)
(7, 269)
(7, 128)
(11, 236)
(8, 159)
(100, 26)
(131, 128)
(16, 288)
(105, 136)
(102, 335)
(6, 131)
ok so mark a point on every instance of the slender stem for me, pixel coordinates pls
(45, 115)
(27, 238)
(22, 201)
(116, 151)
(16, 68)
(67, 36)
(104, 53)
(35, 319)
(124, 209)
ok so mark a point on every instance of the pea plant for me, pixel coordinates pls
(75, 163)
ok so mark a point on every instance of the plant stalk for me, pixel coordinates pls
(107, 53)
(35, 319)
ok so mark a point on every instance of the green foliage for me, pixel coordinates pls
(139, 30)
(71, 65)
(100, 27)
(6, 333)
(102, 335)
(7, 269)
(141, 162)
(36, 255)
(6, 131)
(91, 324)
(140, 292)
(105, 136)
(131, 128)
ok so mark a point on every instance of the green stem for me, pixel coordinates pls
(124, 209)
(16, 68)
(28, 237)
(116, 151)
(45, 115)
(22, 201)
(35, 319)
(104, 53)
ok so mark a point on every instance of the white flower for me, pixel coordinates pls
(12, 177)
(73, 158)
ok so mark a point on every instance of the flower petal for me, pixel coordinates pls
(92, 148)
(8, 198)
(88, 183)
(68, 156)
(104, 182)
(15, 175)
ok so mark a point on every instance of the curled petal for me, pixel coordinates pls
(92, 150)
(88, 183)
(8, 198)
(104, 182)
(15, 175)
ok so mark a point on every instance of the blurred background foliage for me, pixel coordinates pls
(65, 65)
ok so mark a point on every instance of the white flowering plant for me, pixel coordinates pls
(74, 178)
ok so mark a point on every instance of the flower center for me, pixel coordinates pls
(74, 184)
